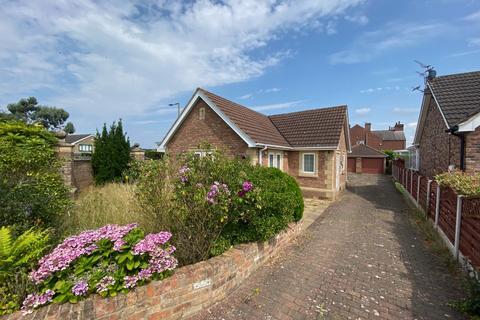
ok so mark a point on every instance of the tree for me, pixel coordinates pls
(69, 128)
(29, 111)
(111, 153)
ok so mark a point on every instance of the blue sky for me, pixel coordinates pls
(107, 60)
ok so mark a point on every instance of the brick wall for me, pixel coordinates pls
(472, 151)
(82, 174)
(438, 149)
(191, 289)
(357, 134)
(318, 181)
(194, 130)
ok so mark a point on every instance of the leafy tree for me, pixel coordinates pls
(32, 191)
(69, 128)
(111, 154)
(29, 111)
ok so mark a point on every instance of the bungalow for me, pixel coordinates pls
(310, 145)
(448, 131)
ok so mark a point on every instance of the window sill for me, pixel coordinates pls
(308, 175)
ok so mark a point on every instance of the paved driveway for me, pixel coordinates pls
(360, 260)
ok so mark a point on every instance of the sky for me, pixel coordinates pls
(106, 60)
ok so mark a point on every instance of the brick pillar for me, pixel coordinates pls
(64, 152)
(137, 154)
(358, 165)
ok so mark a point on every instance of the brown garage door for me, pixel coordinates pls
(351, 164)
(372, 165)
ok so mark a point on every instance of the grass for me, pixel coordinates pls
(431, 237)
(101, 205)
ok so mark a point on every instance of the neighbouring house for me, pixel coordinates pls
(448, 131)
(82, 143)
(310, 145)
(365, 159)
(391, 139)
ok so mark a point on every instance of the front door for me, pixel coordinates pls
(275, 159)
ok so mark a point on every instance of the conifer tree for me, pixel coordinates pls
(111, 153)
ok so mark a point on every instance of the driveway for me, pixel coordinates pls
(361, 259)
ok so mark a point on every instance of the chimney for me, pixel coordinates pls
(398, 126)
(431, 74)
(368, 126)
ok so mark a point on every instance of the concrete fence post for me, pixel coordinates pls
(418, 189)
(411, 182)
(429, 187)
(458, 223)
(437, 206)
(405, 174)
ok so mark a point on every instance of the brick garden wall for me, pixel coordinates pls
(191, 289)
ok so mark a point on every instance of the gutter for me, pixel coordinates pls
(454, 131)
(260, 155)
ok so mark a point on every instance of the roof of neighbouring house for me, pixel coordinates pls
(74, 138)
(317, 128)
(364, 151)
(458, 95)
(390, 135)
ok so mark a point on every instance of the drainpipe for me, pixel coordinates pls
(260, 155)
(454, 131)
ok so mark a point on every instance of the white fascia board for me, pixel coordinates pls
(80, 140)
(470, 124)
(438, 106)
(349, 144)
(421, 120)
(259, 145)
(198, 95)
(227, 120)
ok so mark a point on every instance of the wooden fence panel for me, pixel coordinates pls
(423, 193)
(448, 213)
(414, 184)
(433, 200)
(470, 230)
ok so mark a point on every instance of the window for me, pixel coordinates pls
(201, 114)
(201, 154)
(85, 147)
(275, 160)
(309, 162)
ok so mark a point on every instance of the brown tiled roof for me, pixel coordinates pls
(458, 95)
(312, 128)
(256, 125)
(364, 151)
(389, 135)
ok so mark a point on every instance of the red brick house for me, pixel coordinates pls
(310, 145)
(448, 131)
(391, 139)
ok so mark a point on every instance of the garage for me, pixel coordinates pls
(365, 159)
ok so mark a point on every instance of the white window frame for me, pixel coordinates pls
(201, 153)
(201, 113)
(275, 163)
(85, 147)
(314, 162)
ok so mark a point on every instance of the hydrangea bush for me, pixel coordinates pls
(106, 261)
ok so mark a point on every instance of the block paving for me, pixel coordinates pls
(362, 259)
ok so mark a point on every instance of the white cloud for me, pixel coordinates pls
(271, 90)
(359, 19)
(363, 111)
(395, 35)
(473, 17)
(474, 42)
(463, 53)
(387, 88)
(276, 106)
(405, 110)
(412, 125)
(111, 58)
(246, 96)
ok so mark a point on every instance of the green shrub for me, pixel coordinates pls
(32, 191)
(467, 184)
(471, 304)
(106, 261)
(212, 202)
(111, 154)
(17, 257)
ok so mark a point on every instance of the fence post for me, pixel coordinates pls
(429, 186)
(418, 189)
(411, 182)
(406, 179)
(458, 223)
(437, 206)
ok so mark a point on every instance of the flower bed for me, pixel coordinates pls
(191, 289)
(106, 261)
